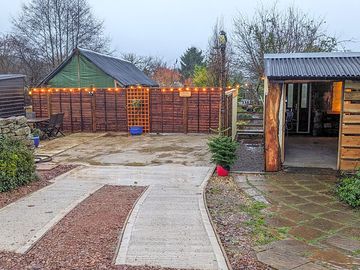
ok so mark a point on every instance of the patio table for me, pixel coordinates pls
(36, 122)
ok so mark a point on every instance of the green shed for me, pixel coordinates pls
(85, 68)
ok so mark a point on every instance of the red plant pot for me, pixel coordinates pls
(221, 171)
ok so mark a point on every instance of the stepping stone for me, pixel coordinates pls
(295, 215)
(310, 266)
(343, 243)
(305, 232)
(281, 260)
(323, 224)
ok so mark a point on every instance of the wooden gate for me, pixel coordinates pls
(138, 108)
(350, 127)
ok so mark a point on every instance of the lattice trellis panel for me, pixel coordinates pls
(138, 108)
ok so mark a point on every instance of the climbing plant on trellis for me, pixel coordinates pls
(138, 108)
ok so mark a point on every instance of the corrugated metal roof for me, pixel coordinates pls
(313, 65)
(126, 73)
(10, 76)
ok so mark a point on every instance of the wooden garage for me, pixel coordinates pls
(12, 99)
(312, 110)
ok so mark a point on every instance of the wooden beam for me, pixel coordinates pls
(272, 144)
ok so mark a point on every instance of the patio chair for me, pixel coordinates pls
(59, 124)
(53, 127)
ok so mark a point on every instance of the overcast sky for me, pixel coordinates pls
(166, 28)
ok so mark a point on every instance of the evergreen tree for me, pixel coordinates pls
(189, 60)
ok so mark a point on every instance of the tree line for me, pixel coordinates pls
(46, 31)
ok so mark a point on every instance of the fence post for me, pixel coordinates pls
(93, 111)
(186, 108)
(49, 103)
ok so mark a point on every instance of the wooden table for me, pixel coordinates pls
(37, 121)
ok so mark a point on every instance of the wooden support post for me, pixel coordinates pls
(186, 108)
(93, 111)
(105, 107)
(116, 111)
(49, 108)
(81, 112)
(272, 144)
(71, 114)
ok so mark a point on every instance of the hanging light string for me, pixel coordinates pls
(117, 89)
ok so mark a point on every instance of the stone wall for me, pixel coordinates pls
(15, 126)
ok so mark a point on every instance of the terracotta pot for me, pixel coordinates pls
(221, 171)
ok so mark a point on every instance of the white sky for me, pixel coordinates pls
(165, 28)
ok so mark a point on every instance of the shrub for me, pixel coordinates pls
(348, 190)
(223, 150)
(17, 165)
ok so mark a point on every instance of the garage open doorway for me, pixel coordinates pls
(311, 119)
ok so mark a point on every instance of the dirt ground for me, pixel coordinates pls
(121, 149)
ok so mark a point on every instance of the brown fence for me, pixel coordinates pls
(170, 110)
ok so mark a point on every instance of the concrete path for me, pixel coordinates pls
(25, 221)
(169, 226)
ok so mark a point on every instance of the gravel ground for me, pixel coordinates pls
(250, 156)
(86, 238)
(44, 177)
(224, 200)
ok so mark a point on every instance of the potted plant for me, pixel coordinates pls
(223, 150)
(137, 105)
(36, 133)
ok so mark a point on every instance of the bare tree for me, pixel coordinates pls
(277, 31)
(147, 64)
(17, 57)
(53, 28)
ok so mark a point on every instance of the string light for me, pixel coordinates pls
(56, 90)
(204, 89)
(30, 93)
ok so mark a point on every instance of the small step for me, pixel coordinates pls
(250, 133)
(250, 125)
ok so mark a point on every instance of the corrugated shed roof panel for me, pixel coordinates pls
(313, 65)
(11, 76)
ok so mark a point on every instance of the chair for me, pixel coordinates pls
(53, 127)
(59, 124)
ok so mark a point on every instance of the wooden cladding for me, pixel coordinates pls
(349, 155)
(12, 99)
(114, 110)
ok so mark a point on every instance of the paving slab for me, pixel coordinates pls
(25, 221)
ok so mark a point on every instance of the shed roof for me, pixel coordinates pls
(333, 65)
(124, 72)
(10, 76)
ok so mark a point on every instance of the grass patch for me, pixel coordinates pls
(348, 190)
(260, 232)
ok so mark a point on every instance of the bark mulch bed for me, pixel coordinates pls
(86, 238)
(44, 177)
(226, 203)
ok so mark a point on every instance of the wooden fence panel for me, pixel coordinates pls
(92, 110)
